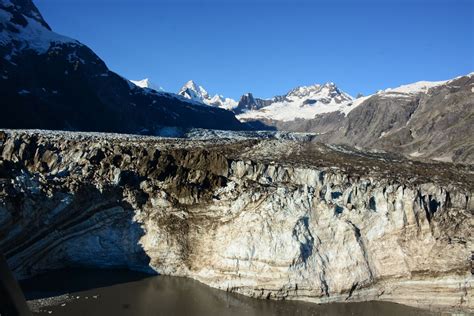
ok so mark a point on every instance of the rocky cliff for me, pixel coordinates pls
(269, 218)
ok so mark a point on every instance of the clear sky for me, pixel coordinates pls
(269, 47)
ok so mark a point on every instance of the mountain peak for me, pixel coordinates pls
(191, 90)
(248, 102)
(247, 96)
(191, 84)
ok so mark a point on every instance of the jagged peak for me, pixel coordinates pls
(191, 84)
(197, 90)
(247, 95)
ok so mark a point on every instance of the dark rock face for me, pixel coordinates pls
(248, 102)
(66, 86)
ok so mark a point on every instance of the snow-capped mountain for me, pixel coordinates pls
(194, 92)
(302, 102)
(197, 93)
(146, 83)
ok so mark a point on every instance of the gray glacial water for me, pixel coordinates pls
(120, 292)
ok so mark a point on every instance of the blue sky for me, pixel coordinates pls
(269, 47)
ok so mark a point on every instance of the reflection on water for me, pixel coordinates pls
(118, 292)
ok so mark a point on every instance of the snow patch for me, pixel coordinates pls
(444, 159)
(146, 83)
(414, 88)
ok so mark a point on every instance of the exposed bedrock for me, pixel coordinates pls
(258, 217)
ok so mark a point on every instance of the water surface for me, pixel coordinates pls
(119, 292)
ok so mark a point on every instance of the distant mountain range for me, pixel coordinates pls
(422, 120)
(300, 102)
